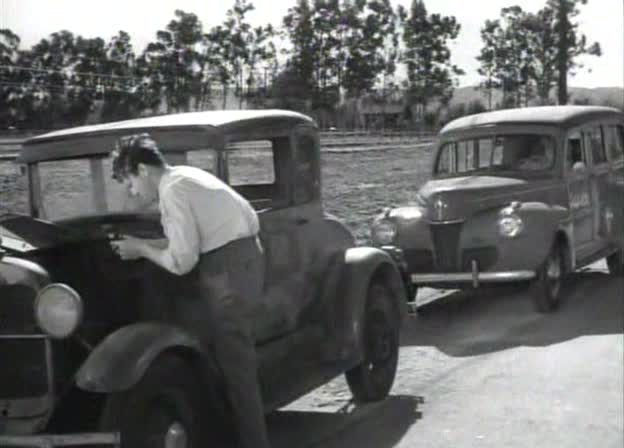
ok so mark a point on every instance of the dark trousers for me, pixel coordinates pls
(230, 279)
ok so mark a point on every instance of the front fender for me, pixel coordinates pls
(121, 359)
(17, 271)
(362, 266)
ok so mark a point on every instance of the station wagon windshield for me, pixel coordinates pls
(519, 153)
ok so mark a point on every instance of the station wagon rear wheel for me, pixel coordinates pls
(615, 263)
(164, 410)
(373, 378)
(546, 289)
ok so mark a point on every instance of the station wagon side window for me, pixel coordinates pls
(206, 159)
(593, 141)
(306, 166)
(575, 157)
(614, 140)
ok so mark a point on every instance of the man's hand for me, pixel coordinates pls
(128, 248)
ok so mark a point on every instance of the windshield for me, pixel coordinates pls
(514, 152)
(79, 187)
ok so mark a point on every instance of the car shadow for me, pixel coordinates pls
(503, 317)
(377, 425)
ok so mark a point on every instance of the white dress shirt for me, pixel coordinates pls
(200, 213)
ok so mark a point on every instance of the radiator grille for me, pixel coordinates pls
(24, 371)
(445, 242)
(16, 310)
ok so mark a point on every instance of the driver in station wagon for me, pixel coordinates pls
(211, 232)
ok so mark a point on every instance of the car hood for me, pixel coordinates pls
(459, 197)
(22, 234)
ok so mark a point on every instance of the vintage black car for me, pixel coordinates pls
(89, 350)
(520, 195)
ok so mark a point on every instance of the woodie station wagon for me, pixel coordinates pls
(523, 195)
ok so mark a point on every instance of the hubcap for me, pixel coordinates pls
(176, 437)
(553, 273)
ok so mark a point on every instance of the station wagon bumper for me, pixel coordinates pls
(474, 277)
(52, 441)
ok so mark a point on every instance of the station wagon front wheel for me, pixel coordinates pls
(615, 263)
(372, 379)
(546, 289)
(164, 410)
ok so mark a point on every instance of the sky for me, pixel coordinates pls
(32, 20)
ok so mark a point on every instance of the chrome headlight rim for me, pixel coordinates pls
(510, 225)
(384, 231)
(72, 297)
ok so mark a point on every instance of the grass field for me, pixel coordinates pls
(356, 184)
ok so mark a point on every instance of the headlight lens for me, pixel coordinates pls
(58, 310)
(384, 232)
(510, 225)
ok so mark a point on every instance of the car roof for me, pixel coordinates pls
(565, 116)
(188, 130)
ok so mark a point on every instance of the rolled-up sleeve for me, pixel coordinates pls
(180, 227)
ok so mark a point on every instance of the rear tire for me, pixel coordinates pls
(615, 263)
(546, 289)
(374, 377)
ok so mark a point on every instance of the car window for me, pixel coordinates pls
(575, 156)
(486, 147)
(593, 141)
(206, 159)
(614, 141)
(251, 163)
(66, 188)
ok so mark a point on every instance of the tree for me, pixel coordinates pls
(427, 56)
(175, 58)
(570, 42)
(11, 91)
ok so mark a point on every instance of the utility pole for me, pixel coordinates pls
(562, 56)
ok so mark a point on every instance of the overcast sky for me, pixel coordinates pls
(601, 20)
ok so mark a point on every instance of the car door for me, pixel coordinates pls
(599, 181)
(579, 191)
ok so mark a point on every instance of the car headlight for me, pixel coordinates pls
(383, 231)
(58, 310)
(510, 224)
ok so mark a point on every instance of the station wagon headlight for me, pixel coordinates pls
(510, 224)
(58, 310)
(383, 232)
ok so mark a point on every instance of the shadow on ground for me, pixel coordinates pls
(385, 424)
(502, 318)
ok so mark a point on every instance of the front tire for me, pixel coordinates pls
(163, 410)
(546, 289)
(615, 263)
(372, 379)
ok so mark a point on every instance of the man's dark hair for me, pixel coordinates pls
(132, 150)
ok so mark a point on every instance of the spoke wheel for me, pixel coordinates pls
(163, 410)
(372, 379)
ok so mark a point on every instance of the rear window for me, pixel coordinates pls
(515, 152)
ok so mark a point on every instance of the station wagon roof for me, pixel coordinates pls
(565, 116)
(99, 138)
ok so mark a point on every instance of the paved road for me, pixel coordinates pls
(487, 371)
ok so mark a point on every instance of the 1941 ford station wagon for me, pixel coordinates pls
(94, 350)
(523, 195)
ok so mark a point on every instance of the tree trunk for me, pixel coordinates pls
(562, 56)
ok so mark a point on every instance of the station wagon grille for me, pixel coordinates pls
(446, 242)
(24, 368)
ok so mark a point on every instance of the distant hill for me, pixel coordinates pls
(602, 96)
